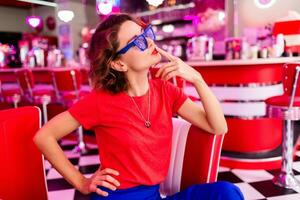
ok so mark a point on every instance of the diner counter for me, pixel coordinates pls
(244, 61)
(253, 140)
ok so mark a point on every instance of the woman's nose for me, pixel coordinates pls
(150, 42)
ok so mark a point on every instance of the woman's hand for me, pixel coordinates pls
(176, 67)
(100, 178)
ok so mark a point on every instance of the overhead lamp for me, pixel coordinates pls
(155, 3)
(33, 21)
(263, 4)
(221, 16)
(104, 7)
(168, 28)
(65, 15)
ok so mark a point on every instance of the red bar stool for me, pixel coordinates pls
(33, 93)
(67, 84)
(286, 107)
(22, 174)
(86, 81)
(10, 90)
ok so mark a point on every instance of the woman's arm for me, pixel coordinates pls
(210, 117)
(46, 140)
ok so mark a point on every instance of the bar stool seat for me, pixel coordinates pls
(11, 92)
(43, 87)
(283, 101)
(40, 92)
(72, 95)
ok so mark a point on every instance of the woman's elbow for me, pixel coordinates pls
(37, 139)
(40, 138)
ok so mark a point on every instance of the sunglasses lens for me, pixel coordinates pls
(150, 34)
(141, 43)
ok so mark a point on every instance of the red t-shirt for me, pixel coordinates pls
(140, 154)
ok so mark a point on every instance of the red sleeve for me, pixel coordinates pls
(175, 96)
(85, 111)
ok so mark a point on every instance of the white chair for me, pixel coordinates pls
(195, 157)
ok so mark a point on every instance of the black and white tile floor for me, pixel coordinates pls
(255, 184)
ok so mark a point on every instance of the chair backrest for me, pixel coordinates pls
(195, 157)
(25, 80)
(42, 76)
(85, 76)
(21, 170)
(8, 76)
(289, 72)
(66, 79)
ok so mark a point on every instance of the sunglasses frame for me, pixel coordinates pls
(135, 43)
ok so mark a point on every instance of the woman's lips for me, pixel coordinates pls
(154, 52)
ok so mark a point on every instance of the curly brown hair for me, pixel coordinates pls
(103, 47)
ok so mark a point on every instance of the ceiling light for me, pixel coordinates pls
(168, 28)
(65, 15)
(104, 7)
(263, 4)
(33, 21)
(155, 2)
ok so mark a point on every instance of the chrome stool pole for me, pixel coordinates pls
(286, 177)
(81, 146)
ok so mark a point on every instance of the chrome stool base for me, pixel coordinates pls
(80, 148)
(286, 180)
(286, 176)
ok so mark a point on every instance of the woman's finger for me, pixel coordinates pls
(171, 75)
(166, 54)
(158, 73)
(109, 171)
(109, 179)
(105, 184)
(168, 70)
(101, 192)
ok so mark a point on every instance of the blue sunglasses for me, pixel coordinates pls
(140, 41)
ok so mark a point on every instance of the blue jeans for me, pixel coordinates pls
(212, 191)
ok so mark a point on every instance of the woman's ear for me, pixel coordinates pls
(118, 65)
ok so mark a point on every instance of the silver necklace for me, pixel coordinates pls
(147, 122)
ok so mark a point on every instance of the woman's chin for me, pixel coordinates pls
(156, 58)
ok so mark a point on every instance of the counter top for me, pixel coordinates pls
(243, 62)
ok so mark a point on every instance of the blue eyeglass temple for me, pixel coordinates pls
(131, 44)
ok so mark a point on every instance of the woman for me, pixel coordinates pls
(132, 117)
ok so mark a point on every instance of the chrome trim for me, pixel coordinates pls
(252, 160)
(73, 76)
(28, 85)
(283, 112)
(246, 85)
(245, 117)
(241, 101)
(294, 87)
(57, 94)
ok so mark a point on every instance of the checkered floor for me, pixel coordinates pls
(255, 184)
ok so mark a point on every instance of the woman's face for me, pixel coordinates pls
(134, 58)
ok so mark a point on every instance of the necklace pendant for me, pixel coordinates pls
(147, 124)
